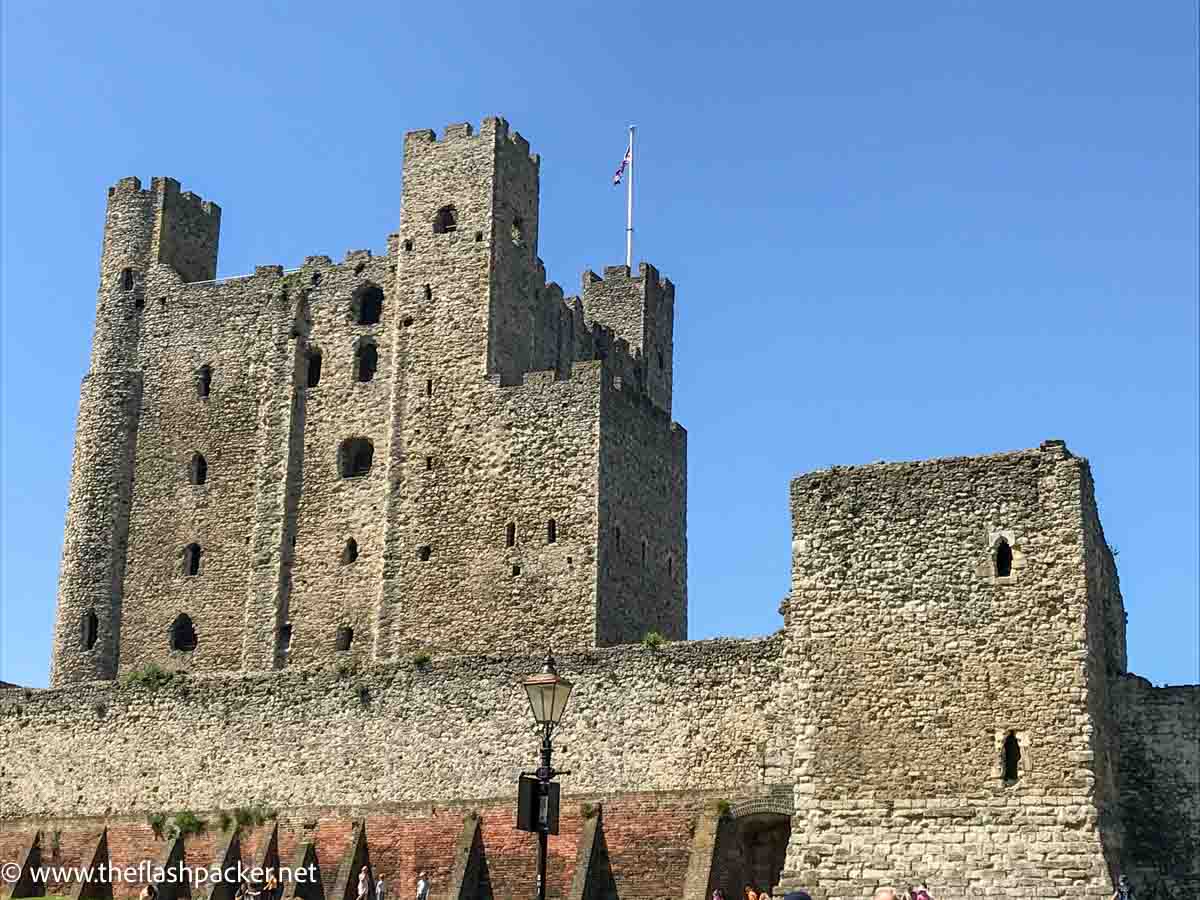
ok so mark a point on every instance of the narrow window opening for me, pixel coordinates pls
(350, 552)
(366, 362)
(89, 627)
(191, 559)
(368, 301)
(424, 552)
(445, 221)
(428, 463)
(139, 303)
(551, 532)
(428, 292)
(285, 637)
(316, 278)
(428, 387)
(198, 470)
(518, 231)
(510, 534)
(660, 360)
(478, 236)
(355, 457)
(1012, 759)
(314, 368)
(1004, 558)
(344, 638)
(516, 570)
(670, 566)
(204, 382)
(127, 279)
(408, 245)
(407, 321)
(183, 634)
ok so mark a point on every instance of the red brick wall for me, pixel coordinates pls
(648, 837)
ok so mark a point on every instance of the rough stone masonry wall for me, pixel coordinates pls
(489, 460)
(233, 328)
(329, 590)
(1159, 775)
(643, 515)
(913, 660)
(686, 717)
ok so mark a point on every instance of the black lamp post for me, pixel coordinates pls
(548, 695)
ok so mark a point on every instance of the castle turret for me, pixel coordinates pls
(142, 229)
(641, 310)
(469, 232)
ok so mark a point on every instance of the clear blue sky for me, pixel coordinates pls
(897, 231)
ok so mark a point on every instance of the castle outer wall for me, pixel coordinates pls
(880, 714)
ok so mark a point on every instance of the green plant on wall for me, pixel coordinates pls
(157, 823)
(653, 640)
(150, 677)
(254, 815)
(187, 822)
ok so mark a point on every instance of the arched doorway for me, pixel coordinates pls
(763, 838)
(752, 842)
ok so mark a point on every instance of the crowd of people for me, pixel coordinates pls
(364, 886)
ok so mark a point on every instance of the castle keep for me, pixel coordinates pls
(345, 507)
(359, 460)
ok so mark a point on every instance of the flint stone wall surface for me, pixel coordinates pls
(689, 716)
(1159, 773)
(914, 660)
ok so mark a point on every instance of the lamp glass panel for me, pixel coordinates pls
(562, 693)
(540, 700)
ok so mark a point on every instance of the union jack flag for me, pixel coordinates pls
(621, 168)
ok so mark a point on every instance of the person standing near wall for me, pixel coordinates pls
(364, 884)
(422, 887)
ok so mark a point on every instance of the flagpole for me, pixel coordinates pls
(629, 206)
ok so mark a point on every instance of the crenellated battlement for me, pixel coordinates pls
(493, 127)
(165, 190)
(621, 273)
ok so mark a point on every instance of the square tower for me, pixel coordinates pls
(956, 627)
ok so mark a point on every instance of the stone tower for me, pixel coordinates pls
(956, 635)
(427, 451)
(143, 228)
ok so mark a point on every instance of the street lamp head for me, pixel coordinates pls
(548, 694)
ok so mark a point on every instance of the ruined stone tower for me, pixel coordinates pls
(431, 450)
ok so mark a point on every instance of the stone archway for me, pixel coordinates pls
(762, 827)
(764, 840)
